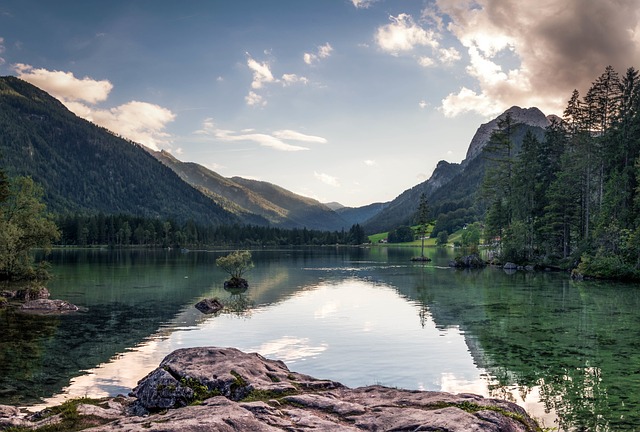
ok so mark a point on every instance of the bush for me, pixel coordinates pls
(236, 263)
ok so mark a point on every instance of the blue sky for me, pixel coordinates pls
(352, 101)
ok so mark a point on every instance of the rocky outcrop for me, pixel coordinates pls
(468, 261)
(45, 306)
(529, 116)
(209, 306)
(224, 389)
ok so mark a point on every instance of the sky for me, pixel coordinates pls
(349, 101)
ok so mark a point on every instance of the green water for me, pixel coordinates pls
(569, 352)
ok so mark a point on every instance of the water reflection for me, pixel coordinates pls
(359, 316)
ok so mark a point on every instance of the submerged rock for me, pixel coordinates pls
(224, 389)
(48, 306)
(209, 306)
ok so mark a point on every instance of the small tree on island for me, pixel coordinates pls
(236, 264)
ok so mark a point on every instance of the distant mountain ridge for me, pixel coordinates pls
(257, 201)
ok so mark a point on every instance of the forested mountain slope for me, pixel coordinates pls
(86, 169)
(451, 190)
(255, 201)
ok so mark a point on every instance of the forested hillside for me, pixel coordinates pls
(574, 194)
(86, 169)
(258, 202)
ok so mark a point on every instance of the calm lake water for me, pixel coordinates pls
(569, 352)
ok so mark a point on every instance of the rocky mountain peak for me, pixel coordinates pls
(530, 116)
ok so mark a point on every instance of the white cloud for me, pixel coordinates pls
(262, 76)
(448, 56)
(425, 61)
(323, 52)
(327, 179)
(287, 134)
(370, 162)
(536, 53)
(2, 61)
(423, 104)
(291, 79)
(403, 34)
(140, 122)
(362, 4)
(254, 99)
(261, 73)
(64, 85)
(209, 128)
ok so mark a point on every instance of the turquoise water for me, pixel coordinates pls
(569, 352)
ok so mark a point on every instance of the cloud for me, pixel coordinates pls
(362, 4)
(327, 179)
(261, 73)
(2, 61)
(370, 163)
(141, 122)
(403, 34)
(254, 99)
(263, 76)
(536, 53)
(323, 52)
(297, 136)
(137, 121)
(423, 104)
(64, 85)
(291, 79)
(273, 141)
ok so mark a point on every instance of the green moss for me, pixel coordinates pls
(273, 378)
(200, 391)
(267, 395)
(70, 419)
(473, 408)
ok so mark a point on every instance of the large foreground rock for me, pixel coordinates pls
(224, 389)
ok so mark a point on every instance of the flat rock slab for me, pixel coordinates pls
(224, 389)
(45, 306)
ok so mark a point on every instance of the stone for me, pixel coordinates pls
(48, 306)
(468, 261)
(224, 389)
(510, 266)
(209, 306)
(32, 293)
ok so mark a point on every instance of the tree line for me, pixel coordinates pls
(572, 197)
(126, 230)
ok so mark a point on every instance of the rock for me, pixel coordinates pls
(529, 268)
(8, 294)
(421, 259)
(8, 411)
(32, 293)
(510, 266)
(48, 306)
(209, 306)
(236, 283)
(469, 261)
(224, 389)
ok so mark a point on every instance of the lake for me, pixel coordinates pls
(569, 352)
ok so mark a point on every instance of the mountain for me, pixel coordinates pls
(359, 215)
(86, 169)
(300, 211)
(451, 190)
(528, 116)
(257, 202)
